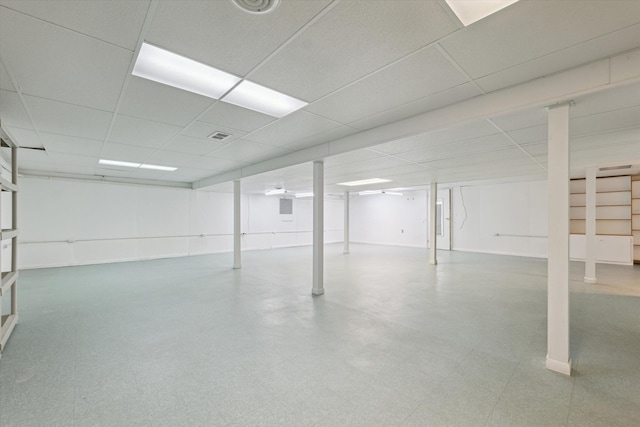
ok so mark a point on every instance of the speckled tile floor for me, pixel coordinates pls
(394, 341)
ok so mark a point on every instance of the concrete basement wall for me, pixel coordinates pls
(72, 222)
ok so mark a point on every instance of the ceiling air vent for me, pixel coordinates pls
(615, 168)
(257, 6)
(219, 136)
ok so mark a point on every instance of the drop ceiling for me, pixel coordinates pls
(66, 87)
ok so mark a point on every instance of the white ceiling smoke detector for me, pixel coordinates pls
(257, 6)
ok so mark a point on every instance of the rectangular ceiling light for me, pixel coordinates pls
(304, 194)
(274, 192)
(366, 193)
(157, 167)
(171, 69)
(118, 163)
(364, 182)
(393, 193)
(264, 100)
(470, 11)
(135, 165)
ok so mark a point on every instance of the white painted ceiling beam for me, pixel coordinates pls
(589, 78)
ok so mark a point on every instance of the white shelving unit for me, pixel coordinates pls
(9, 279)
(635, 216)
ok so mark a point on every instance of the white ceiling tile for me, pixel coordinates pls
(598, 123)
(67, 119)
(79, 70)
(522, 119)
(445, 136)
(623, 154)
(591, 50)
(25, 164)
(24, 137)
(354, 39)
(34, 156)
(492, 160)
(423, 73)
(328, 136)
(71, 145)
(351, 157)
(171, 158)
(428, 103)
(214, 164)
(609, 100)
(126, 153)
(530, 135)
(469, 147)
(247, 151)
(496, 42)
(61, 159)
(5, 81)
(12, 111)
(161, 103)
(140, 132)
(292, 128)
(224, 114)
(537, 149)
(115, 21)
(189, 145)
(608, 139)
(200, 30)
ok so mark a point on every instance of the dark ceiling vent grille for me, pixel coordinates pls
(219, 136)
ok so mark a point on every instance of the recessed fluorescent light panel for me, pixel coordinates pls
(470, 11)
(171, 69)
(364, 182)
(118, 163)
(366, 193)
(393, 193)
(274, 192)
(158, 168)
(304, 195)
(136, 165)
(264, 100)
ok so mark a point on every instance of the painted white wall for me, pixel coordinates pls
(73, 222)
(390, 220)
(516, 212)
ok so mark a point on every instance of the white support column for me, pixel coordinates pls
(558, 240)
(433, 200)
(318, 227)
(237, 236)
(590, 228)
(346, 222)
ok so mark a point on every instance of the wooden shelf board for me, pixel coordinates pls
(8, 323)
(8, 279)
(7, 234)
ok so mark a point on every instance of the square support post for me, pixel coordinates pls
(433, 239)
(318, 227)
(346, 222)
(237, 235)
(558, 263)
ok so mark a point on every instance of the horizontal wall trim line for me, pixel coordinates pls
(30, 242)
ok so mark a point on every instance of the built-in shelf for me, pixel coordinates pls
(635, 216)
(9, 279)
(8, 323)
(8, 234)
